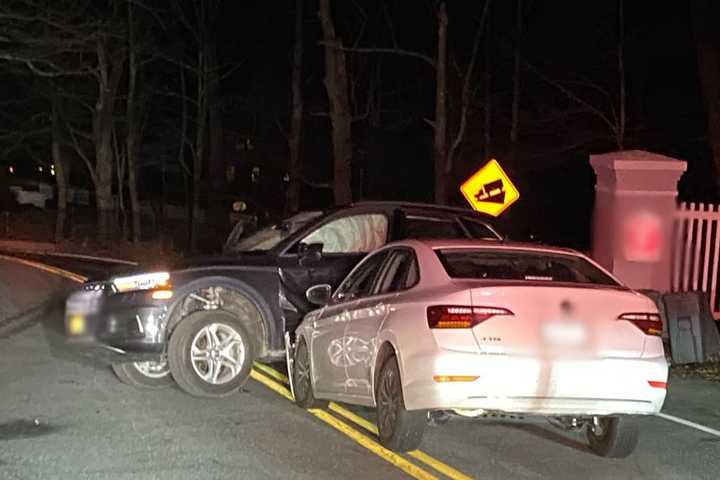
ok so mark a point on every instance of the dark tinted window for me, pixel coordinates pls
(521, 265)
(429, 228)
(400, 272)
(360, 282)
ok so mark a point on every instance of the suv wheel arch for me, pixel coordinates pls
(236, 297)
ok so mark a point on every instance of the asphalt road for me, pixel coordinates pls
(65, 416)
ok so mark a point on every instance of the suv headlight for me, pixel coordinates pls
(145, 281)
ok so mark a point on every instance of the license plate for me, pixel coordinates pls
(84, 302)
(76, 325)
(565, 333)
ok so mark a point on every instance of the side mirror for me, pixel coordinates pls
(310, 253)
(319, 294)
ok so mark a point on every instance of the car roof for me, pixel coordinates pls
(420, 206)
(437, 244)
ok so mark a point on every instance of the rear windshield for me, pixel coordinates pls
(521, 265)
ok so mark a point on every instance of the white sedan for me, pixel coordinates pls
(424, 329)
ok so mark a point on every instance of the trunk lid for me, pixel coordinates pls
(559, 320)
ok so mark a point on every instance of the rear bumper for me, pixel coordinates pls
(536, 386)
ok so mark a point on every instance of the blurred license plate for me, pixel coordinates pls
(564, 333)
(84, 302)
(75, 325)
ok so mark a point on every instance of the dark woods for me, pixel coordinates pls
(171, 111)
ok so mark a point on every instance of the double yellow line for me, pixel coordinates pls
(277, 382)
(46, 268)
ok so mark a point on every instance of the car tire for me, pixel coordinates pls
(302, 378)
(153, 375)
(614, 437)
(210, 354)
(399, 430)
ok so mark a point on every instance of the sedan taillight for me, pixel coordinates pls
(454, 316)
(649, 323)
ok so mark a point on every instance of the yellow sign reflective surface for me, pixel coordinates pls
(490, 190)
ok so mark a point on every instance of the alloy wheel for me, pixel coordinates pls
(217, 353)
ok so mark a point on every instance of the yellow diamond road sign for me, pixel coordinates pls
(490, 190)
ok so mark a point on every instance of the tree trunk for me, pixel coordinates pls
(707, 45)
(199, 150)
(516, 85)
(133, 127)
(487, 94)
(336, 84)
(621, 74)
(110, 73)
(120, 165)
(60, 174)
(440, 139)
(294, 138)
(215, 159)
(104, 173)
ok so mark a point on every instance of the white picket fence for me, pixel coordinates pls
(696, 251)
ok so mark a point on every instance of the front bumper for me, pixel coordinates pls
(533, 386)
(129, 325)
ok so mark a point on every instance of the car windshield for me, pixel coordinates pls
(521, 265)
(266, 238)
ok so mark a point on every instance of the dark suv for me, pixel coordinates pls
(206, 320)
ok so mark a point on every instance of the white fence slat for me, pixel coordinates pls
(716, 265)
(688, 251)
(677, 247)
(697, 239)
(709, 226)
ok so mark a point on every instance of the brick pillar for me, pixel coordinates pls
(635, 201)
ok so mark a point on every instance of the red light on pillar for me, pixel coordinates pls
(642, 237)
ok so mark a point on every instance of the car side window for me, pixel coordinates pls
(400, 272)
(429, 228)
(360, 282)
(352, 234)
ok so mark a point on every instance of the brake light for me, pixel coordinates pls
(649, 323)
(657, 384)
(450, 316)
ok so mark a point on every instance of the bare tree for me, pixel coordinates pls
(110, 64)
(200, 67)
(133, 123)
(61, 176)
(296, 122)
(336, 84)
(62, 41)
(440, 123)
(515, 122)
(467, 95)
(443, 156)
(707, 47)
